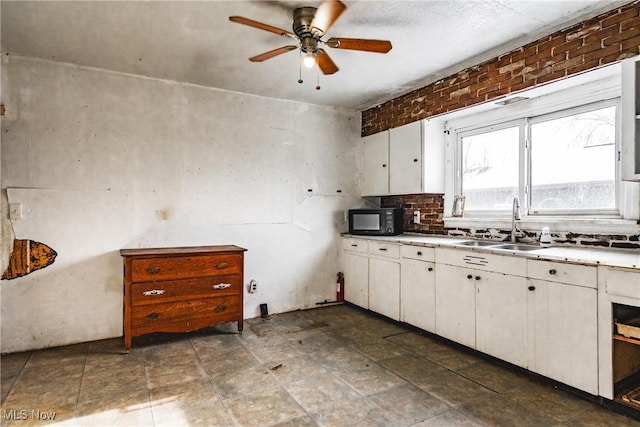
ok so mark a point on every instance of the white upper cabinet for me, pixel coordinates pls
(375, 164)
(405, 160)
(630, 144)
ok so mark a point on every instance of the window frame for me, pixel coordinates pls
(524, 120)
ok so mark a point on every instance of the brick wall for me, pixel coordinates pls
(607, 38)
(431, 208)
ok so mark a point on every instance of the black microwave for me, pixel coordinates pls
(376, 222)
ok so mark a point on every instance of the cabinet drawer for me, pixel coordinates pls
(515, 266)
(389, 250)
(624, 283)
(573, 274)
(417, 252)
(196, 311)
(355, 245)
(184, 267)
(174, 290)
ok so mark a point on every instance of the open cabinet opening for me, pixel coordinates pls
(626, 354)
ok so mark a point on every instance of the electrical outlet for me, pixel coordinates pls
(253, 286)
(416, 217)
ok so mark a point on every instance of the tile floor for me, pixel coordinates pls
(335, 366)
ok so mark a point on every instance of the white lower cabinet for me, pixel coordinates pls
(563, 328)
(501, 316)
(456, 304)
(355, 266)
(418, 288)
(384, 287)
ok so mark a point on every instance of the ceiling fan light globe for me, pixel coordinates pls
(309, 61)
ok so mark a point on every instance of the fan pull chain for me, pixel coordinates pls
(300, 67)
(318, 71)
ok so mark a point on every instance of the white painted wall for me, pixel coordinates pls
(103, 161)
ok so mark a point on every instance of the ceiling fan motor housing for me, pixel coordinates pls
(302, 19)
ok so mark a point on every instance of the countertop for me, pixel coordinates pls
(581, 255)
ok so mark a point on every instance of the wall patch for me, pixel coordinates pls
(27, 257)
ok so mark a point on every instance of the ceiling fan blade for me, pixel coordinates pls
(367, 45)
(326, 15)
(326, 65)
(262, 26)
(272, 53)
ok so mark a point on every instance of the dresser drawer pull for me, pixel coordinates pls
(222, 266)
(153, 270)
(153, 315)
(153, 292)
(220, 308)
(222, 286)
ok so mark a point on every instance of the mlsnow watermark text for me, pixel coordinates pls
(25, 414)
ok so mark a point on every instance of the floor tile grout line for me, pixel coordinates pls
(215, 387)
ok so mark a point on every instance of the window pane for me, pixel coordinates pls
(490, 169)
(573, 162)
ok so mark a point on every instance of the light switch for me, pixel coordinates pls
(15, 210)
(416, 217)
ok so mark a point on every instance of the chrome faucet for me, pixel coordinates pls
(515, 216)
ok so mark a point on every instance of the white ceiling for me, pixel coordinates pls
(195, 42)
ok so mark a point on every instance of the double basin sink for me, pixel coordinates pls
(520, 247)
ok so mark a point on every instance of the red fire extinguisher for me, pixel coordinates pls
(340, 287)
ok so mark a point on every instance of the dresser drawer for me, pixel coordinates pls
(174, 290)
(184, 267)
(195, 312)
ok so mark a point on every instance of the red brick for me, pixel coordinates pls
(582, 50)
(554, 41)
(620, 17)
(583, 30)
(597, 36)
(631, 43)
(565, 47)
(550, 77)
(610, 50)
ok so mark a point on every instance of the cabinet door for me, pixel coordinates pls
(456, 304)
(356, 279)
(384, 287)
(630, 112)
(501, 316)
(405, 159)
(375, 167)
(564, 330)
(418, 294)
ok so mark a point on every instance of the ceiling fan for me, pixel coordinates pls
(310, 24)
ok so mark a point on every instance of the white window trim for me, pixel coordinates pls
(585, 91)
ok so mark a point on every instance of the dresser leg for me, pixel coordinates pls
(127, 344)
(240, 326)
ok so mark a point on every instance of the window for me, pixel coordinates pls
(560, 163)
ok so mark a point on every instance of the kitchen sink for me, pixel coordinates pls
(517, 247)
(476, 243)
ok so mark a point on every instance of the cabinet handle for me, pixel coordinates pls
(419, 253)
(153, 270)
(415, 160)
(430, 269)
(384, 165)
(552, 271)
(532, 288)
(477, 277)
(354, 245)
(222, 266)
(382, 249)
(222, 286)
(220, 308)
(153, 315)
(153, 292)
(469, 276)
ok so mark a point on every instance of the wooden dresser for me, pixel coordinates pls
(181, 289)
